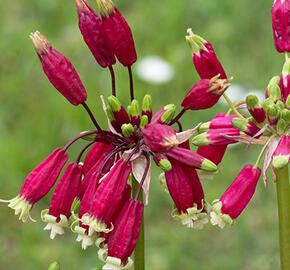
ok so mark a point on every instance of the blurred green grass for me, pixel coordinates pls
(35, 119)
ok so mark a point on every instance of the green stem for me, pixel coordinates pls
(139, 257)
(283, 195)
(232, 105)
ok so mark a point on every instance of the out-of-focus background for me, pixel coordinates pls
(35, 119)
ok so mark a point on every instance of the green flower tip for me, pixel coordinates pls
(195, 42)
(54, 266)
(252, 101)
(147, 103)
(208, 166)
(135, 108)
(114, 103)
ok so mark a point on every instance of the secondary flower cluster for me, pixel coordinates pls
(100, 199)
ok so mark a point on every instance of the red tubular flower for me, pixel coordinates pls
(213, 153)
(236, 197)
(159, 138)
(60, 207)
(117, 33)
(281, 156)
(187, 193)
(204, 58)
(246, 126)
(220, 121)
(164, 116)
(107, 199)
(59, 70)
(216, 137)
(123, 239)
(280, 24)
(285, 80)
(205, 93)
(38, 183)
(255, 108)
(91, 28)
(95, 153)
(191, 159)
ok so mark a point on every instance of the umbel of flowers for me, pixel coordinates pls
(100, 199)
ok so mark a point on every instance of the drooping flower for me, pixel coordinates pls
(91, 28)
(117, 33)
(38, 183)
(60, 206)
(236, 197)
(123, 239)
(59, 70)
(280, 24)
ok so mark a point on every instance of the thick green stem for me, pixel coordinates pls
(283, 195)
(139, 257)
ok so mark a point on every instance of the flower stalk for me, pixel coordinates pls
(139, 251)
(283, 196)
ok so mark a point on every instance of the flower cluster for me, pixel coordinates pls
(100, 199)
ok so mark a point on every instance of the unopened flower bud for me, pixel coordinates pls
(191, 159)
(144, 121)
(236, 197)
(274, 92)
(147, 106)
(280, 105)
(117, 33)
(255, 108)
(286, 115)
(217, 122)
(267, 104)
(285, 79)
(205, 93)
(168, 115)
(216, 137)
(281, 126)
(280, 24)
(274, 81)
(273, 115)
(119, 112)
(281, 155)
(59, 70)
(135, 112)
(127, 130)
(90, 26)
(162, 162)
(159, 138)
(246, 126)
(204, 58)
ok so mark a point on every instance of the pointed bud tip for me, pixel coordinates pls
(195, 42)
(106, 7)
(40, 43)
(165, 165)
(208, 166)
(114, 103)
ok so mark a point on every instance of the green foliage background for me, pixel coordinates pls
(35, 119)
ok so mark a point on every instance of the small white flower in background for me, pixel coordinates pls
(155, 70)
